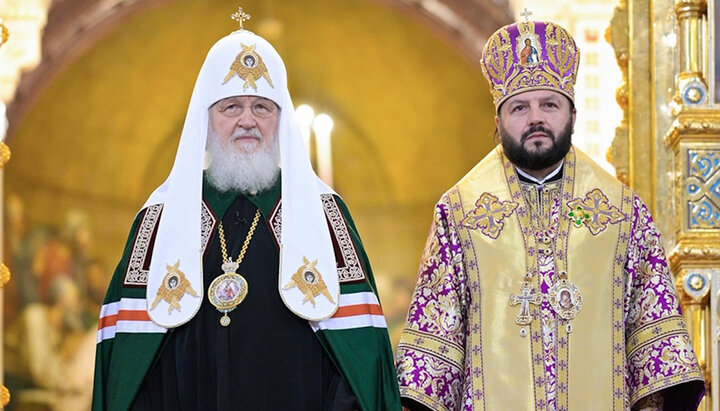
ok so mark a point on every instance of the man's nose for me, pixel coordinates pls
(535, 116)
(246, 119)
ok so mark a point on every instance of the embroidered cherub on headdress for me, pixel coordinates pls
(249, 66)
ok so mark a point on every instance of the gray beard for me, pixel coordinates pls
(242, 172)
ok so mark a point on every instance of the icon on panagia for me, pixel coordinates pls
(249, 66)
(308, 279)
(174, 287)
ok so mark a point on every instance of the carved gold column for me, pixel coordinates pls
(667, 149)
(693, 141)
(694, 260)
(4, 271)
(632, 150)
(617, 35)
(692, 86)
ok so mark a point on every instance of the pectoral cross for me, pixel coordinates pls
(526, 13)
(526, 298)
(240, 17)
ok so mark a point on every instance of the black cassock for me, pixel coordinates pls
(266, 359)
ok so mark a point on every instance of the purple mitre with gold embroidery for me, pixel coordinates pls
(530, 55)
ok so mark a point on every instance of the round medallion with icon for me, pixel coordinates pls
(226, 292)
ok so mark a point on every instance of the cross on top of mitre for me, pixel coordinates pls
(240, 16)
(526, 13)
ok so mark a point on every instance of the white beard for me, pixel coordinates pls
(242, 172)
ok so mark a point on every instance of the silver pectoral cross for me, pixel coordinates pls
(525, 298)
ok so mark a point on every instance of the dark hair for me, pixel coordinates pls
(496, 136)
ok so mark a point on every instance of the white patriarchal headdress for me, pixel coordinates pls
(241, 63)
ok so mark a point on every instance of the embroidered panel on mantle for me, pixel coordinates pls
(139, 261)
(349, 268)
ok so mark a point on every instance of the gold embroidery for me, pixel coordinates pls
(434, 345)
(249, 66)
(308, 279)
(349, 268)
(595, 211)
(530, 64)
(174, 287)
(488, 215)
(558, 251)
(541, 204)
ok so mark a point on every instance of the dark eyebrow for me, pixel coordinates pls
(518, 101)
(550, 98)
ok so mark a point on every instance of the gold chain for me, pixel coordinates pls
(250, 233)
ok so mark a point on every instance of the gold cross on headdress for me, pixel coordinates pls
(240, 17)
(525, 13)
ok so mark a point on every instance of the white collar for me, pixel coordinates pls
(547, 177)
